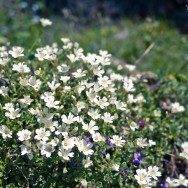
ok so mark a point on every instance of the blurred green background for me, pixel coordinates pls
(154, 37)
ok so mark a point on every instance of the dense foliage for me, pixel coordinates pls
(70, 119)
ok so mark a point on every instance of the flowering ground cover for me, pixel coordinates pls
(74, 119)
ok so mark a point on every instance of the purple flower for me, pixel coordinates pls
(87, 139)
(141, 123)
(110, 143)
(75, 134)
(123, 173)
(137, 159)
(164, 185)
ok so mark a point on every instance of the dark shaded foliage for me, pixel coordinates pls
(175, 10)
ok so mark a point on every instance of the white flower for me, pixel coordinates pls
(51, 125)
(23, 81)
(184, 154)
(151, 143)
(80, 105)
(68, 143)
(26, 100)
(128, 85)
(85, 147)
(120, 105)
(153, 171)
(117, 140)
(47, 150)
(157, 113)
(84, 183)
(4, 61)
(87, 84)
(42, 134)
(115, 167)
(130, 67)
(44, 116)
(94, 114)
(142, 177)
(41, 54)
(65, 79)
(35, 83)
(79, 119)
(102, 103)
(13, 113)
(24, 135)
(72, 58)
(97, 137)
(140, 99)
(185, 150)
(97, 87)
(47, 95)
(171, 182)
(63, 68)
(68, 119)
(141, 142)
(65, 154)
(21, 68)
(4, 90)
(104, 59)
(107, 117)
(185, 146)
(5, 131)
(63, 130)
(79, 73)
(16, 52)
(25, 148)
(45, 22)
(87, 162)
(65, 40)
(80, 87)
(176, 107)
(8, 106)
(54, 142)
(90, 127)
(181, 181)
(67, 88)
(34, 111)
(53, 86)
(108, 156)
(115, 76)
(131, 99)
(133, 125)
(51, 103)
(98, 71)
(104, 81)
(40, 145)
(91, 95)
(37, 72)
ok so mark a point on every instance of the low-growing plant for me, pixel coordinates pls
(70, 119)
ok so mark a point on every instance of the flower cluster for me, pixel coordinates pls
(68, 106)
(148, 178)
(181, 181)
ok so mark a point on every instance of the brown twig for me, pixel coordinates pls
(150, 47)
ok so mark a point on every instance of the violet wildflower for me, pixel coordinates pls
(142, 123)
(164, 185)
(110, 143)
(75, 134)
(137, 159)
(87, 139)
